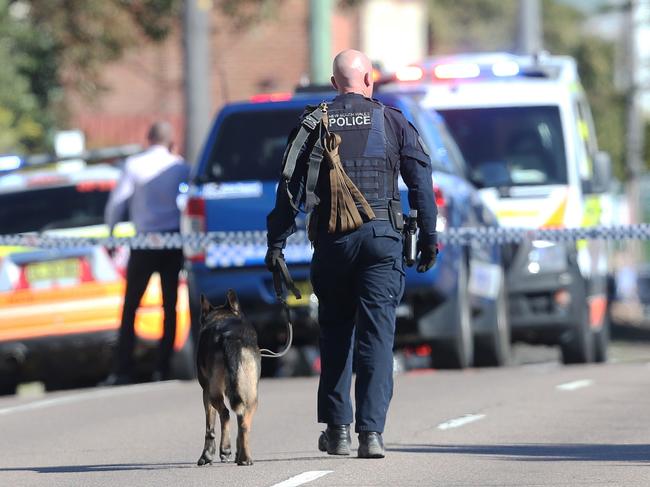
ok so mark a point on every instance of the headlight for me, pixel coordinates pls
(547, 257)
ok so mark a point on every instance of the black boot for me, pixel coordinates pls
(335, 440)
(371, 445)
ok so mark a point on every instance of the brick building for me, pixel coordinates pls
(270, 56)
(147, 84)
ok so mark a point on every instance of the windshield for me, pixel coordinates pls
(526, 141)
(54, 207)
(250, 145)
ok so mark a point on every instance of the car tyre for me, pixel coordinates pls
(493, 350)
(457, 353)
(578, 347)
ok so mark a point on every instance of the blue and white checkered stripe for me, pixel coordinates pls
(249, 248)
(234, 249)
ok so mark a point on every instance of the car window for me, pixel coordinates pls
(528, 140)
(54, 207)
(455, 156)
(250, 145)
(428, 127)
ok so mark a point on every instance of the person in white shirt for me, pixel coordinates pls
(146, 194)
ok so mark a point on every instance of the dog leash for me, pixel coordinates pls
(281, 276)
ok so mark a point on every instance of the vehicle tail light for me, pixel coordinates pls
(441, 203)
(193, 221)
(22, 282)
(85, 272)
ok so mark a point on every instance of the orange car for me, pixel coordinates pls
(60, 309)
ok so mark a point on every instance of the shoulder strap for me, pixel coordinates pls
(308, 124)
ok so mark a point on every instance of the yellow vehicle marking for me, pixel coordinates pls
(556, 220)
(517, 213)
(305, 294)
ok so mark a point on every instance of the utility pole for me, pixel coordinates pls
(637, 201)
(320, 41)
(529, 27)
(634, 118)
(196, 64)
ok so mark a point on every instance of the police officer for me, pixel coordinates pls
(358, 275)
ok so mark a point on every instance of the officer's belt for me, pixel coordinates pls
(380, 214)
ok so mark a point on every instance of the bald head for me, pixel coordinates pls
(352, 73)
(161, 133)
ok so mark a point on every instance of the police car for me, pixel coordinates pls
(233, 186)
(524, 126)
(61, 307)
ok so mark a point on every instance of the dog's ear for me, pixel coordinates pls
(233, 302)
(206, 307)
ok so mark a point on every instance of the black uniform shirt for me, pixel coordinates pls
(414, 166)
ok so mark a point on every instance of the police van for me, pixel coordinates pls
(524, 126)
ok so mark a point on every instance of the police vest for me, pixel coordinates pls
(361, 125)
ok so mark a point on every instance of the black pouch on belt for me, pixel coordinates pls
(395, 214)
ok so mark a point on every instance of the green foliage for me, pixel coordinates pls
(471, 25)
(48, 44)
(21, 120)
(563, 34)
(86, 34)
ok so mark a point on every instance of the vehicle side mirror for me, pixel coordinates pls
(602, 173)
(491, 174)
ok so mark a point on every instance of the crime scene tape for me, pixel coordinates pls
(243, 239)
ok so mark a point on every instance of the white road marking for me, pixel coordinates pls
(458, 422)
(576, 384)
(303, 478)
(82, 396)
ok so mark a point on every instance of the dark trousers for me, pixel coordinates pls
(142, 264)
(358, 278)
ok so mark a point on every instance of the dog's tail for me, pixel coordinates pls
(232, 359)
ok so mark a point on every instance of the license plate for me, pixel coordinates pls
(305, 291)
(54, 270)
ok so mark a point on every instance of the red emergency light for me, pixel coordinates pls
(266, 97)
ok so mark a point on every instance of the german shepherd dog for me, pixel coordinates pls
(228, 365)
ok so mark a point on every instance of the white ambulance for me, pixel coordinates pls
(525, 129)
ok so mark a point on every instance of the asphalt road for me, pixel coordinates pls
(539, 424)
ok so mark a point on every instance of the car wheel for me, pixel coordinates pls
(493, 350)
(457, 353)
(578, 346)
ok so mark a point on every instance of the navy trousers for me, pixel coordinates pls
(358, 278)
